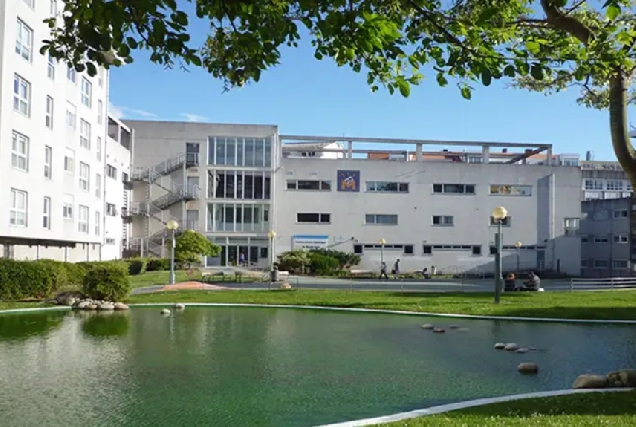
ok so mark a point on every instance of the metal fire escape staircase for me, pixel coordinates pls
(158, 209)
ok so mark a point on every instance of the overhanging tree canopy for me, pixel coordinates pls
(543, 45)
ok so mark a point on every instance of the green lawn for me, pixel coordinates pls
(577, 305)
(152, 278)
(577, 410)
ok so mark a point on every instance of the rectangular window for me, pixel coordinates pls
(620, 238)
(46, 213)
(98, 186)
(84, 176)
(87, 92)
(67, 206)
(98, 220)
(381, 219)
(111, 172)
(71, 74)
(48, 162)
(571, 226)
(111, 210)
(583, 263)
(510, 190)
(19, 208)
(601, 239)
(313, 218)
(85, 134)
(601, 215)
(50, 70)
(20, 151)
(585, 239)
(427, 250)
(21, 96)
(387, 187)
(614, 185)
(48, 118)
(98, 149)
(71, 115)
(476, 250)
(444, 220)
(504, 223)
(454, 188)
(100, 112)
(621, 214)
(601, 263)
(309, 185)
(357, 249)
(24, 40)
(53, 8)
(82, 219)
(621, 264)
(408, 249)
(69, 161)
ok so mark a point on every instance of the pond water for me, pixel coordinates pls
(237, 366)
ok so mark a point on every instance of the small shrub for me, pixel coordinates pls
(322, 264)
(28, 279)
(137, 266)
(108, 281)
(158, 264)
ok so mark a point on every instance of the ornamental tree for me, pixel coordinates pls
(190, 246)
(541, 45)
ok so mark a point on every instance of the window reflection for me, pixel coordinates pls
(248, 152)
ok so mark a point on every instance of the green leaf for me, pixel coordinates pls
(486, 77)
(613, 11)
(536, 71)
(509, 71)
(404, 87)
(441, 80)
(466, 92)
(533, 47)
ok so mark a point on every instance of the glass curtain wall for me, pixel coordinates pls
(244, 152)
(241, 185)
(238, 217)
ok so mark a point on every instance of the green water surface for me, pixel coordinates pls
(227, 367)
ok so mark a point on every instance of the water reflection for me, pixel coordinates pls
(27, 325)
(102, 324)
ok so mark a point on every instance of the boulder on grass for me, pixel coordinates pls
(590, 381)
(285, 285)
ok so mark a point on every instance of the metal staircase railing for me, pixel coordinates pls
(177, 194)
(145, 246)
(149, 209)
(151, 174)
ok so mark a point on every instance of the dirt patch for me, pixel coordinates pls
(188, 286)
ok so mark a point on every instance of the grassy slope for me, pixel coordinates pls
(578, 305)
(578, 410)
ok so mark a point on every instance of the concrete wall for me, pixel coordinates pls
(605, 230)
(61, 138)
(537, 221)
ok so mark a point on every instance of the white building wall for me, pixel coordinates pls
(538, 221)
(60, 137)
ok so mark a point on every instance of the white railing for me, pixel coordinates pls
(603, 283)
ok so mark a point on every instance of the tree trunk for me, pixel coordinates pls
(623, 148)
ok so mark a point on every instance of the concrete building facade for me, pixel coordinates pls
(52, 130)
(237, 185)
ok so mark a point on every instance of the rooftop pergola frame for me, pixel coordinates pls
(521, 150)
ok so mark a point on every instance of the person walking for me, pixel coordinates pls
(383, 274)
(396, 269)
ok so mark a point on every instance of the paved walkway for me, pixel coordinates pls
(183, 286)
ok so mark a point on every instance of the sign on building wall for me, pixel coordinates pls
(309, 242)
(349, 181)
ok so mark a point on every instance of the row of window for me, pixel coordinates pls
(604, 263)
(403, 187)
(52, 6)
(607, 184)
(19, 212)
(604, 238)
(427, 250)
(604, 215)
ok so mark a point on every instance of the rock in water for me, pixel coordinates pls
(165, 311)
(590, 381)
(428, 326)
(438, 330)
(179, 306)
(528, 368)
(522, 350)
(120, 306)
(500, 346)
(511, 346)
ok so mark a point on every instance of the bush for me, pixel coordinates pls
(108, 281)
(296, 262)
(29, 279)
(322, 264)
(158, 264)
(137, 266)
(345, 259)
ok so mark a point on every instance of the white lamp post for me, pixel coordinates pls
(382, 243)
(499, 214)
(172, 226)
(271, 234)
(518, 246)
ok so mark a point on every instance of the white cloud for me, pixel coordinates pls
(115, 111)
(193, 117)
(129, 113)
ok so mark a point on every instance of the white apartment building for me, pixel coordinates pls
(53, 131)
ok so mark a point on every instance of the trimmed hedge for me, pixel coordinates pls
(158, 264)
(42, 278)
(107, 282)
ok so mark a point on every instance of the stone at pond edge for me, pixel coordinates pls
(453, 327)
(438, 330)
(500, 346)
(522, 350)
(428, 326)
(120, 306)
(623, 378)
(528, 368)
(165, 311)
(590, 381)
(107, 306)
(91, 306)
(179, 306)
(285, 285)
(511, 346)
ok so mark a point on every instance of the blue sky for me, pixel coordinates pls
(304, 96)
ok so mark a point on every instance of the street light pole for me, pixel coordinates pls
(518, 245)
(271, 234)
(499, 214)
(382, 243)
(172, 226)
